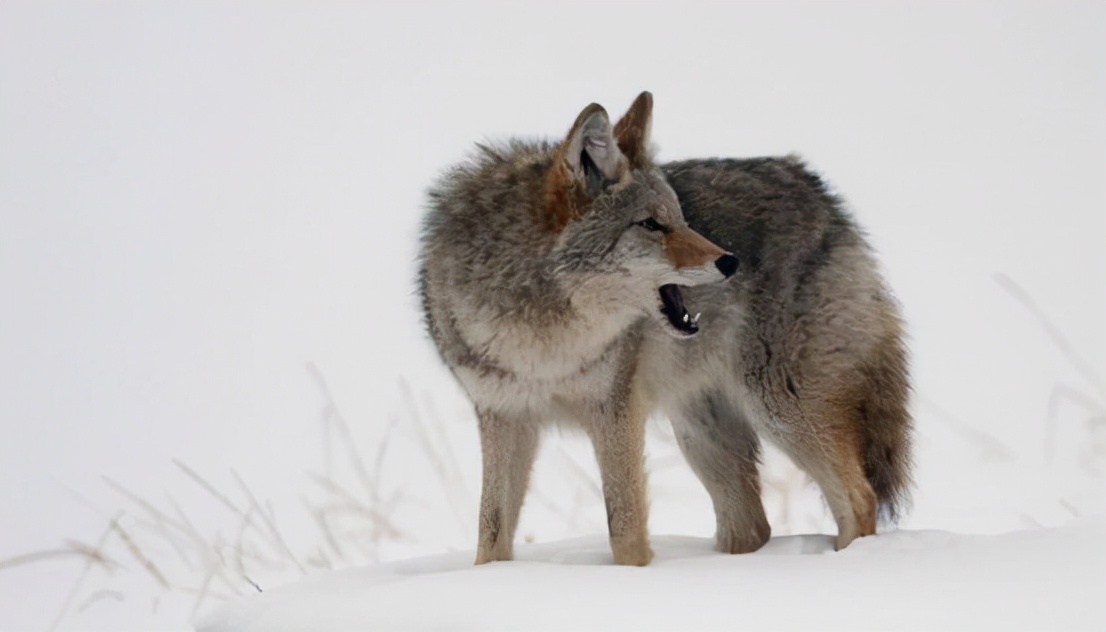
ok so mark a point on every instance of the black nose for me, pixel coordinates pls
(726, 264)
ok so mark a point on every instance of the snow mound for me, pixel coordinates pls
(905, 580)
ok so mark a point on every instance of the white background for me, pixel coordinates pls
(198, 199)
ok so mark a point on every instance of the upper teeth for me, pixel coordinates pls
(695, 319)
(686, 317)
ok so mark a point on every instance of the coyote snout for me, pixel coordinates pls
(697, 260)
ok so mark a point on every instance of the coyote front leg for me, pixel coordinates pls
(509, 446)
(619, 442)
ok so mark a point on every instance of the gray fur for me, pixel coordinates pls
(540, 289)
(817, 316)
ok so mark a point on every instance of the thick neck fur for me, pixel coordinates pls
(543, 341)
(498, 298)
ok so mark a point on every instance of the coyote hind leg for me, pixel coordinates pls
(825, 442)
(724, 452)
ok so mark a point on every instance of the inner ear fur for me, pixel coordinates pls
(588, 156)
(591, 142)
(633, 131)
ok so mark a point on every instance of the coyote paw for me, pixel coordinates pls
(494, 553)
(846, 537)
(747, 540)
(632, 554)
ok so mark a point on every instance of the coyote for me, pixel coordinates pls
(579, 282)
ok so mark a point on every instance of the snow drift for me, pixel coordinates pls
(907, 580)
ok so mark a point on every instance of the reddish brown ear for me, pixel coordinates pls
(632, 130)
(587, 158)
(563, 197)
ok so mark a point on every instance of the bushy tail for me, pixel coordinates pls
(887, 430)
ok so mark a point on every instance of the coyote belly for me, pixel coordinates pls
(580, 282)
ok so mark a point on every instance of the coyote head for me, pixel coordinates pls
(621, 237)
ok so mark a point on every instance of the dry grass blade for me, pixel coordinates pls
(91, 561)
(333, 416)
(331, 539)
(205, 589)
(159, 516)
(180, 525)
(1063, 393)
(73, 550)
(270, 524)
(100, 595)
(349, 503)
(1081, 366)
(211, 489)
(139, 555)
(990, 448)
(442, 457)
(1093, 405)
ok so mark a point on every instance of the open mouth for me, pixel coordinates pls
(672, 306)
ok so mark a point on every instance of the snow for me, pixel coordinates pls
(1051, 579)
(212, 370)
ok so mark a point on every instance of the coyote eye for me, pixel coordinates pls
(652, 224)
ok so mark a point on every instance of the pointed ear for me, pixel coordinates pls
(633, 129)
(591, 152)
(583, 164)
